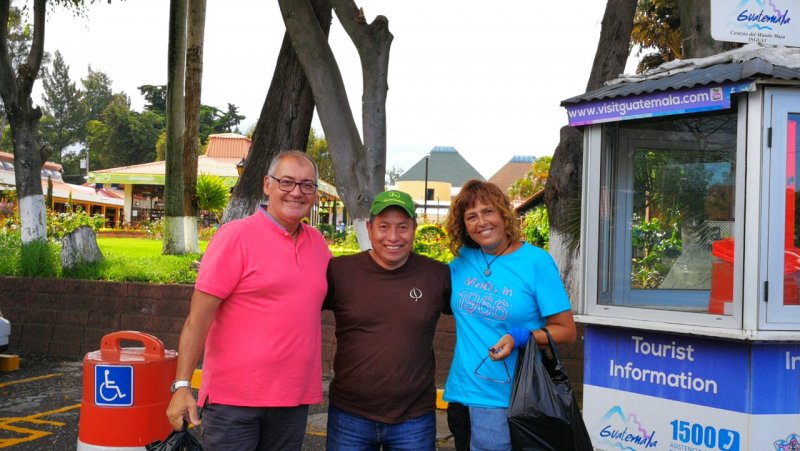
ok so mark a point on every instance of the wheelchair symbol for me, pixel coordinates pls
(110, 386)
(113, 385)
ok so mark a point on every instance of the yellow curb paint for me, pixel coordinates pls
(7, 424)
(196, 378)
(9, 362)
(440, 403)
(30, 379)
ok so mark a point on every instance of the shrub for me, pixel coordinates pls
(327, 230)
(39, 258)
(153, 229)
(212, 194)
(60, 224)
(206, 233)
(536, 228)
(431, 241)
(10, 250)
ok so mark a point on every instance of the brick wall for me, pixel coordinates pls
(67, 318)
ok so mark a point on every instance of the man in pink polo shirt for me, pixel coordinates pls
(256, 313)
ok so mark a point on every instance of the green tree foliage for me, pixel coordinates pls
(212, 194)
(155, 97)
(63, 112)
(97, 94)
(213, 120)
(161, 146)
(122, 136)
(657, 32)
(536, 227)
(533, 181)
(317, 149)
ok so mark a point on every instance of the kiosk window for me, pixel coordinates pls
(667, 213)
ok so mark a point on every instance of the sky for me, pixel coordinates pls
(484, 77)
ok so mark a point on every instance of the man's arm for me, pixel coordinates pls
(183, 406)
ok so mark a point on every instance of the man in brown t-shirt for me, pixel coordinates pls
(386, 302)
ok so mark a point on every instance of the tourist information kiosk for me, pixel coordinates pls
(691, 255)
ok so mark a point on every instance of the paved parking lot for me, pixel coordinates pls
(40, 408)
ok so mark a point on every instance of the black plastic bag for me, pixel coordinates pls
(543, 414)
(176, 441)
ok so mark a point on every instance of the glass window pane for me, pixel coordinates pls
(668, 216)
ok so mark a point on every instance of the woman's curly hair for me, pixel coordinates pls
(489, 194)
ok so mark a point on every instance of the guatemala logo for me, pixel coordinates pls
(792, 443)
(625, 432)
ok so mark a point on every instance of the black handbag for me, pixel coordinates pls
(543, 413)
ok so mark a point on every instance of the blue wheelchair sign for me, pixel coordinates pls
(113, 385)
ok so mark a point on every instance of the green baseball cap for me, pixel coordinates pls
(393, 198)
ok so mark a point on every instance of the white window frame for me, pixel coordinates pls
(654, 318)
(773, 314)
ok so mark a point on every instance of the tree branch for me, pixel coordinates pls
(373, 42)
(314, 53)
(8, 82)
(28, 72)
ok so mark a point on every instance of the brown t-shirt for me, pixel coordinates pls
(385, 321)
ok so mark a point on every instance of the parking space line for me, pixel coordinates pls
(8, 424)
(30, 379)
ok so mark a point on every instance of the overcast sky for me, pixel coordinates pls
(485, 77)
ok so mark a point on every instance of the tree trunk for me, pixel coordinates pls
(356, 164)
(176, 224)
(29, 157)
(696, 30)
(191, 138)
(284, 123)
(563, 188)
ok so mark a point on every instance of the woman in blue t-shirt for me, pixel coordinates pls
(503, 289)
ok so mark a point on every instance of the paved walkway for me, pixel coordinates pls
(40, 406)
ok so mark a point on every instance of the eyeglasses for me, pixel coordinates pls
(287, 185)
(508, 375)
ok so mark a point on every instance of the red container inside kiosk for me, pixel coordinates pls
(722, 269)
(722, 276)
(117, 412)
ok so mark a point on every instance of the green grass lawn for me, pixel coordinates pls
(135, 247)
(126, 260)
(140, 260)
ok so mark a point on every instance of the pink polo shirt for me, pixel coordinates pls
(264, 345)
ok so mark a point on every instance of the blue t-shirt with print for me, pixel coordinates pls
(524, 288)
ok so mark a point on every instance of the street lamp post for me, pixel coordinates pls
(425, 193)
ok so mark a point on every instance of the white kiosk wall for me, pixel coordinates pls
(691, 269)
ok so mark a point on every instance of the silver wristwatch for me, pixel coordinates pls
(179, 384)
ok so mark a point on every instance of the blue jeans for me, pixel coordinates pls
(349, 432)
(238, 428)
(489, 429)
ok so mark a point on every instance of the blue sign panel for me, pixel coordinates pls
(686, 101)
(776, 379)
(113, 385)
(681, 368)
